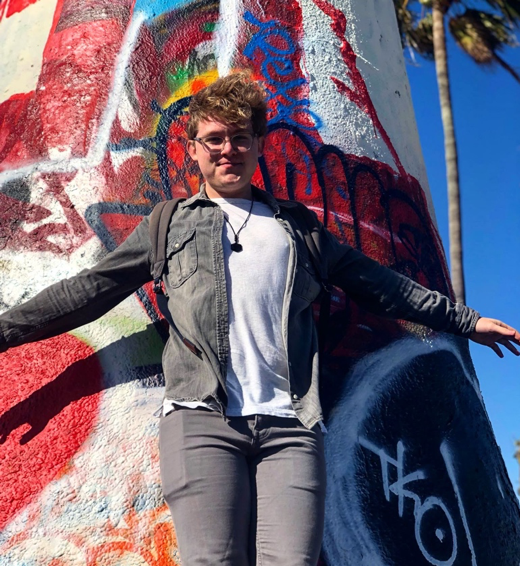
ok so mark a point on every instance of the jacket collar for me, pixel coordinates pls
(258, 194)
(201, 195)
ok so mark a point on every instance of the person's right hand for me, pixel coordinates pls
(491, 332)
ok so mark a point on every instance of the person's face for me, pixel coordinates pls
(227, 173)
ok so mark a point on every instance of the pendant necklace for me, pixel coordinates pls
(237, 246)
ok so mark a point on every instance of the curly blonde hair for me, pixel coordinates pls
(233, 99)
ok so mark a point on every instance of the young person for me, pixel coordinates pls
(241, 446)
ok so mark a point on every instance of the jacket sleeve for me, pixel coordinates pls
(76, 301)
(385, 292)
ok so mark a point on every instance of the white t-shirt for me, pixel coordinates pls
(256, 282)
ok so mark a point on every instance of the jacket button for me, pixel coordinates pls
(295, 397)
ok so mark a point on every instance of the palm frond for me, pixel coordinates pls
(416, 32)
(510, 9)
(481, 34)
(420, 36)
(404, 19)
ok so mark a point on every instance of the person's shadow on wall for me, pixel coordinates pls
(79, 380)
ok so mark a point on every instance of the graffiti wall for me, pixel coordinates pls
(92, 113)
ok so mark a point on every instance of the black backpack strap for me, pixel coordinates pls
(309, 226)
(159, 225)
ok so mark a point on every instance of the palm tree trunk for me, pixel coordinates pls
(450, 150)
(517, 456)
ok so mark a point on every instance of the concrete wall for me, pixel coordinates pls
(91, 119)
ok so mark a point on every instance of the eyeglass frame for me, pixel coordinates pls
(224, 140)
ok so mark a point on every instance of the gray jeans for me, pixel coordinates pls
(244, 491)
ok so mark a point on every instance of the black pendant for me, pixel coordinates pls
(236, 247)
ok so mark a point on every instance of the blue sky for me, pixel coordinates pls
(487, 125)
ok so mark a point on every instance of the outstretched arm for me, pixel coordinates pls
(491, 332)
(73, 302)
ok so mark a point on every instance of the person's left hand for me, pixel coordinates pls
(491, 332)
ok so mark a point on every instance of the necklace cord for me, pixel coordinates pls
(237, 247)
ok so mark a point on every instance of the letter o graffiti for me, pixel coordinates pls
(420, 511)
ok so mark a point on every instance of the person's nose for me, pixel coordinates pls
(228, 147)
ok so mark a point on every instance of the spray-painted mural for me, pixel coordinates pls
(92, 107)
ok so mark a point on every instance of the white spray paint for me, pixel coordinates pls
(123, 59)
(381, 63)
(499, 485)
(448, 460)
(97, 150)
(226, 38)
(402, 490)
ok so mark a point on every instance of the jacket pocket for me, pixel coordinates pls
(182, 257)
(306, 284)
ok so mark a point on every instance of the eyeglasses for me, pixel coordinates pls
(239, 142)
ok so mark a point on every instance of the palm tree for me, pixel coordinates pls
(517, 456)
(482, 34)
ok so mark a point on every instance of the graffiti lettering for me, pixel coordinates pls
(344, 182)
(274, 44)
(421, 507)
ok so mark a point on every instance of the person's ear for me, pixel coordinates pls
(192, 149)
(261, 144)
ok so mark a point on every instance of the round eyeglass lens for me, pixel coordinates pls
(242, 142)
